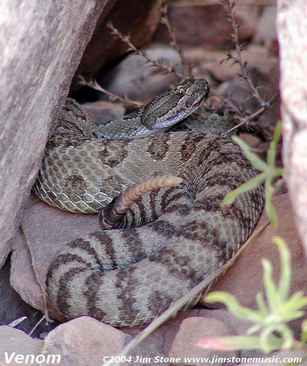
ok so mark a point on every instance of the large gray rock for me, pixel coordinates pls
(292, 28)
(136, 78)
(41, 46)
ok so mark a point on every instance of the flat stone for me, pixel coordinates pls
(190, 332)
(85, 341)
(16, 345)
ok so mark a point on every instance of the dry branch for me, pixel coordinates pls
(172, 37)
(126, 39)
(236, 58)
(114, 98)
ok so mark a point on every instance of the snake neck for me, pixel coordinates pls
(164, 111)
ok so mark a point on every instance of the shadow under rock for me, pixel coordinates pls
(12, 307)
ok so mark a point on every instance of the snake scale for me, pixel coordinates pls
(158, 195)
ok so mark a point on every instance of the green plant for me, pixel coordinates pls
(269, 173)
(269, 330)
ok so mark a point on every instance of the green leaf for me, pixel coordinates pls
(285, 267)
(269, 341)
(254, 159)
(269, 208)
(254, 329)
(278, 172)
(261, 304)
(289, 316)
(273, 146)
(304, 332)
(234, 306)
(275, 309)
(290, 308)
(269, 286)
(245, 187)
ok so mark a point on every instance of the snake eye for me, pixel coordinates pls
(189, 102)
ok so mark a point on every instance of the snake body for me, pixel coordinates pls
(161, 237)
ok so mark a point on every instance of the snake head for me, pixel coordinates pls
(176, 104)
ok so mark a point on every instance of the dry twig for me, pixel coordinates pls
(132, 47)
(236, 58)
(37, 324)
(94, 85)
(16, 322)
(246, 119)
(172, 37)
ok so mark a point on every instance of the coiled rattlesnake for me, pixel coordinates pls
(168, 233)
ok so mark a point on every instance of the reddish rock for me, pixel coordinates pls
(191, 330)
(85, 341)
(139, 20)
(45, 231)
(207, 25)
(211, 61)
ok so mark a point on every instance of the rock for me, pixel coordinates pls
(210, 61)
(207, 26)
(35, 249)
(291, 30)
(138, 79)
(150, 351)
(201, 322)
(190, 332)
(15, 346)
(238, 94)
(139, 20)
(34, 82)
(266, 30)
(85, 341)
(11, 306)
(23, 278)
(14, 309)
(234, 325)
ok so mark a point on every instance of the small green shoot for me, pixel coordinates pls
(269, 173)
(304, 332)
(269, 330)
